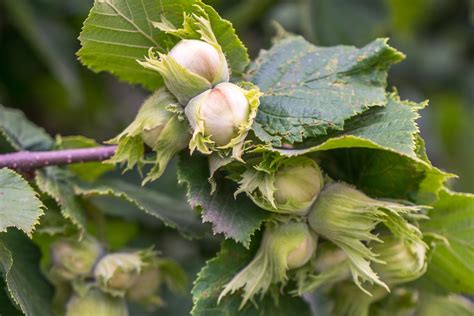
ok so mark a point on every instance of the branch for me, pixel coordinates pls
(30, 160)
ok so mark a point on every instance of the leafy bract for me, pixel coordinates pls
(119, 32)
(236, 218)
(19, 264)
(218, 271)
(174, 213)
(451, 266)
(19, 205)
(164, 131)
(309, 90)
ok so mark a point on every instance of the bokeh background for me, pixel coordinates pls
(40, 75)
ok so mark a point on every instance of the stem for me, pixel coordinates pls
(30, 160)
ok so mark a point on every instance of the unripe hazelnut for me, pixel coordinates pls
(202, 59)
(301, 183)
(284, 184)
(74, 259)
(404, 260)
(300, 255)
(117, 272)
(284, 246)
(95, 302)
(222, 110)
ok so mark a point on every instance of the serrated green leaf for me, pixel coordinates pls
(20, 133)
(309, 90)
(236, 218)
(19, 204)
(172, 212)
(380, 144)
(87, 171)
(19, 262)
(451, 266)
(58, 184)
(218, 271)
(118, 32)
(392, 127)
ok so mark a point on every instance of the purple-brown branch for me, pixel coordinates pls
(30, 160)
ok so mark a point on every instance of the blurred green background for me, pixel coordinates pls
(40, 74)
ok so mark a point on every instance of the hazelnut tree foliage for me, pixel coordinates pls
(312, 171)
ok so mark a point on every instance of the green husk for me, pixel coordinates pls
(181, 82)
(118, 272)
(281, 184)
(160, 124)
(202, 140)
(275, 256)
(405, 260)
(95, 302)
(347, 217)
(73, 259)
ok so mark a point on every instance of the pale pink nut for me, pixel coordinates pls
(223, 110)
(202, 59)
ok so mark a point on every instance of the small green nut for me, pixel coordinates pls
(74, 259)
(117, 272)
(298, 185)
(405, 261)
(347, 217)
(300, 255)
(284, 247)
(288, 185)
(96, 303)
(202, 59)
(152, 136)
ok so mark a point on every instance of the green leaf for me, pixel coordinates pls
(19, 262)
(218, 271)
(118, 32)
(20, 133)
(19, 204)
(174, 213)
(58, 184)
(392, 127)
(309, 90)
(236, 218)
(87, 171)
(379, 144)
(451, 266)
(381, 173)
